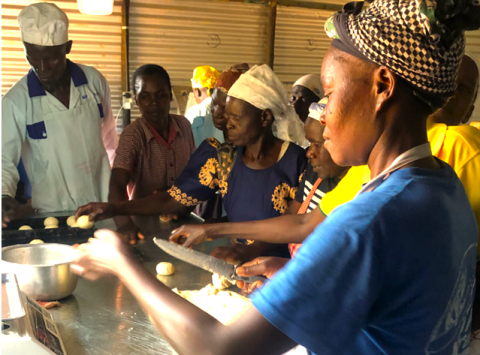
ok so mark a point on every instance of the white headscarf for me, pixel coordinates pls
(261, 88)
(43, 24)
(312, 83)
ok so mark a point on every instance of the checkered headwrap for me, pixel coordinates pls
(422, 41)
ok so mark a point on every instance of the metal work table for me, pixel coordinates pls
(103, 318)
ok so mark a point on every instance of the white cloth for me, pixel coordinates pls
(312, 83)
(316, 109)
(43, 24)
(65, 152)
(201, 109)
(261, 88)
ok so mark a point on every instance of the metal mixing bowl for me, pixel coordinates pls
(43, 270)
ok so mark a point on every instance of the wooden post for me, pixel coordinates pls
(271, 21)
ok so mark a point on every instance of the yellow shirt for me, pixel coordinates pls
(459, 146)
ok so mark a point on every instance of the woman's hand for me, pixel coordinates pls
(102, 255)
(237, 253)
(96, 211)
(266, 266)
(190, 235)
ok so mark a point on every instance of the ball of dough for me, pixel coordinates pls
(51, 227)
(74, 225)
(84, 223)
(71, 221)
(25, 228)
(37, 241)
(50, 221)
(165, 269)
(220, 282)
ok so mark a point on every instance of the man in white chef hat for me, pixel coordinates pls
(58, 118)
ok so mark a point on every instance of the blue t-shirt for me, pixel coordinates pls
(391, 272)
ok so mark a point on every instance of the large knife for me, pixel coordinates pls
(206, 262)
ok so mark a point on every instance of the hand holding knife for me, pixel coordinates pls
(206, 262)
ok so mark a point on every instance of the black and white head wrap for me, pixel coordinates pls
(422, 41)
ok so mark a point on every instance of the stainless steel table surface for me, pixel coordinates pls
(103, 318)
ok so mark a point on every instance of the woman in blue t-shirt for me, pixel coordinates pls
(392, 271)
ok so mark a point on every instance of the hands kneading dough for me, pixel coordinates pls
(165, 269)
(84, 223)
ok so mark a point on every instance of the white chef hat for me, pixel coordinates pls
(262, 88)
(311, 82)
(43, 24)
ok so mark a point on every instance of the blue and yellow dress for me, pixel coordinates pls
(247, 194)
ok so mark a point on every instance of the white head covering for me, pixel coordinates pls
(43, 24)
(316, 109)
(312, 83)
(261, 88)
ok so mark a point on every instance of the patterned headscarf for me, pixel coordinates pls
(230, 76)
(422, 41)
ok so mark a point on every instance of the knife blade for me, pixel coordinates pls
(205, 262)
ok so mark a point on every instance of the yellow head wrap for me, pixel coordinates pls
(205, 77)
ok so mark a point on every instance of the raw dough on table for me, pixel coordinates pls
(25, 228)
(165, 269)
(220, 282)
(71, 221)
(50, 221)
(225, 306)
(37, 241)
(84, 223)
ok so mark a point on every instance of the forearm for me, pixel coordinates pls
(284, 229)
(187, 328)
(157, 204)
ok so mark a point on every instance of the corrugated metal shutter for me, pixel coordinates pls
(96, 42)
(300, 42)
(181, 35)
(473, 49)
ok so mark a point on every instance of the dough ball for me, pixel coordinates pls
(37, 241)
(165, 269)
(74, 225)
(84, 223)
(220, 282)
(25, 228)
(51, 227)
(71, 221)
(50, 221)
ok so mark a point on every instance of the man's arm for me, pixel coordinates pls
(13, 135)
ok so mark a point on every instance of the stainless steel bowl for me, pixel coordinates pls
(43, 270)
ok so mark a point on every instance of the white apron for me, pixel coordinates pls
(70, 166)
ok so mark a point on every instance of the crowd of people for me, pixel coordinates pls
(358, 195)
